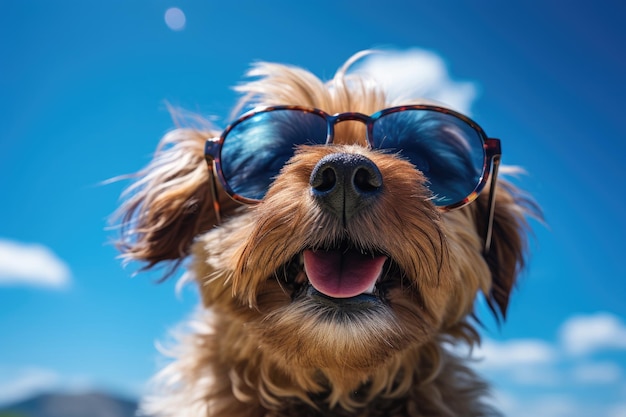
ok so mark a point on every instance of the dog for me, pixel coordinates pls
(338, 240)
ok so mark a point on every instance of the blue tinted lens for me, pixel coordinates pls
(256, 148)
(446, 149)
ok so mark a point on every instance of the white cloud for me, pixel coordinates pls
(550, 406)
(583, 335)
(514, 353)
(528, 362)
(31, 264)
(542, 406)
(502, 401)
(618, 410)
(554, 405)
(15, 386)
(597, 373)
(417, 73)
(539, 376)
(20, 383)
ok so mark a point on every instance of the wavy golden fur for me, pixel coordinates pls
(254, 349)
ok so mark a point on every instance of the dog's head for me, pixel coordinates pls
(364, 235)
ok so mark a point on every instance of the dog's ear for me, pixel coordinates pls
(169, 203)
(507, 253)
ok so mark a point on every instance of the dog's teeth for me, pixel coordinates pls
(372, 288)
(301, 278)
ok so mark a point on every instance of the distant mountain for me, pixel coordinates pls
(94, 404)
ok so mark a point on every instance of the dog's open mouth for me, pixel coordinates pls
(342, 274)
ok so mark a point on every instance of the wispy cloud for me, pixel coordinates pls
(18, 385)
(518, 352)
(555, 405)
(417, 73)
(618, 410)
(545, 405)
(583, 335)
(537, 377)
(32, 265)
(521, 361)
(597, 373)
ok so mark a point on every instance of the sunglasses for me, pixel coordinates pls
(451, 150)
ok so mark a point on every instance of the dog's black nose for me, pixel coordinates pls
(345, 183)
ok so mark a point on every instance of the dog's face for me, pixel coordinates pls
(346, 263)
(332, 290)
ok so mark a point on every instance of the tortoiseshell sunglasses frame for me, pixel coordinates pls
(491, 146)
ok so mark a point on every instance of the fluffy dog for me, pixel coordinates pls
(337, 255)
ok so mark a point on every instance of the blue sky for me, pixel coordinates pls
(84, 87)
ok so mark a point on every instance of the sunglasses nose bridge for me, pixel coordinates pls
(348, 131)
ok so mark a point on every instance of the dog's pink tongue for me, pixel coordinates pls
(341, 274)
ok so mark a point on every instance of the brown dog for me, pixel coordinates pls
(353, 262)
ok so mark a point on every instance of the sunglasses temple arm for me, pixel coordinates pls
(492, 203)
(210, 147)
(213, 190)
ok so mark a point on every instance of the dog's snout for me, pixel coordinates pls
(345, 183)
